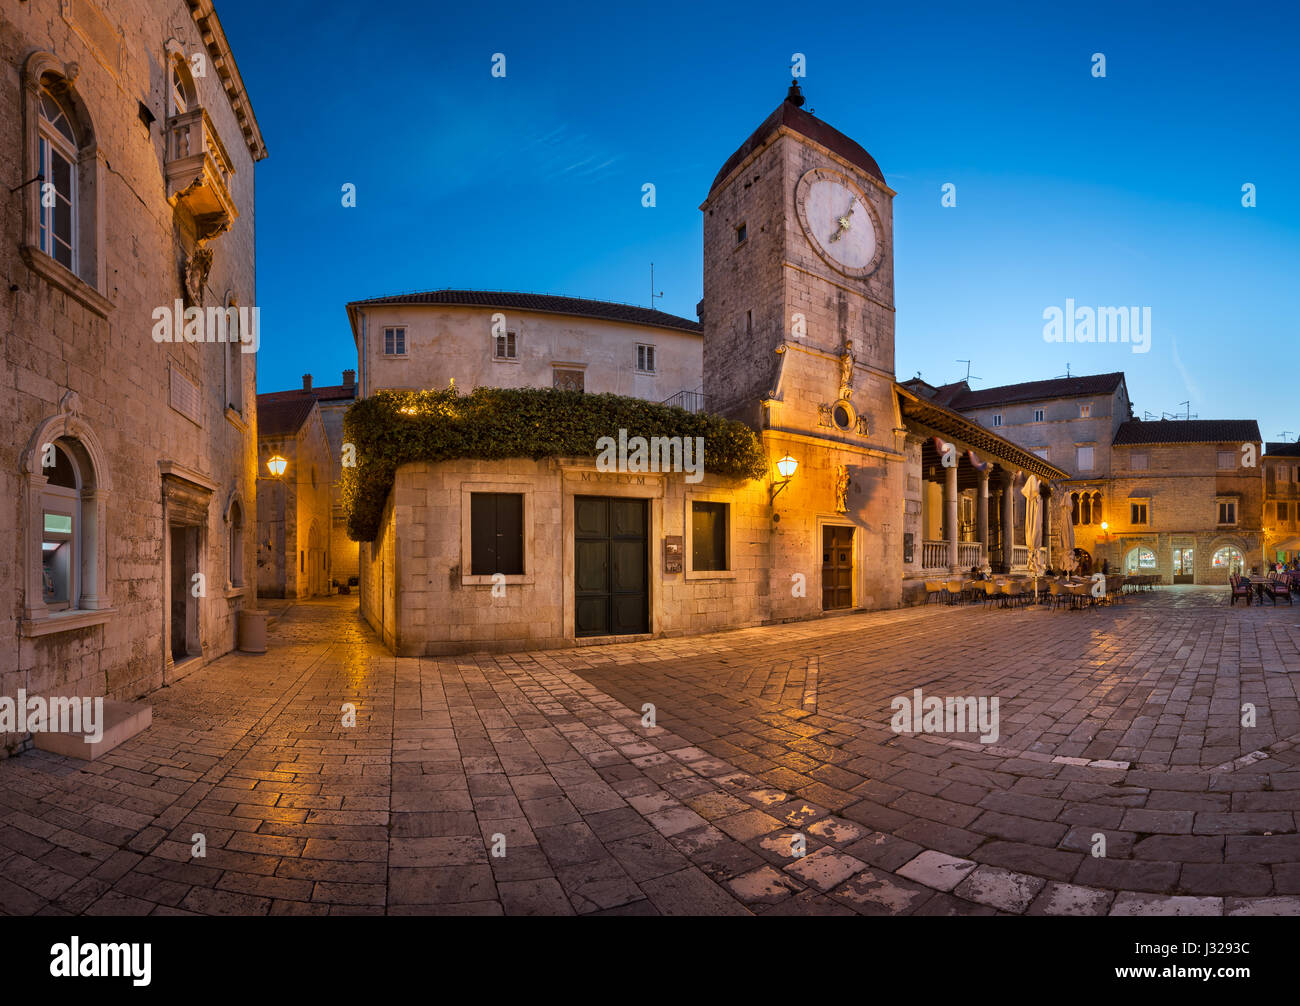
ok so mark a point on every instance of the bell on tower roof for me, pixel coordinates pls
(794, 95)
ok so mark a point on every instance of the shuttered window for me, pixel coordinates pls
(708, 536)
(496, 533)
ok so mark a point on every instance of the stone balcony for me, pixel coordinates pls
(198, 174)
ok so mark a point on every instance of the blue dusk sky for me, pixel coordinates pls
(1117, 191)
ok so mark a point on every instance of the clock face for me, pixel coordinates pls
(840, 221)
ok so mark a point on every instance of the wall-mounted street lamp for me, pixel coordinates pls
(276, 465)
(786, 468)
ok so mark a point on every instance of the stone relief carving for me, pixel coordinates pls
(841, 489)
(846, 371)
(197, 267)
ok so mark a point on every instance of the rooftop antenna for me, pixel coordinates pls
(1066, 374)
(1284, 433)
(969, 378)
(653, 296)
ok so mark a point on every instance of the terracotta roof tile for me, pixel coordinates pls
(282, 417)
(1187, 431)
(545, 303)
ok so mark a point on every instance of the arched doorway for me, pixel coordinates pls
(1140, 559)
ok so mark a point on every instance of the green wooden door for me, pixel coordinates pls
(610, 566)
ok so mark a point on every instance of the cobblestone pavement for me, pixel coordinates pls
(1120, 724)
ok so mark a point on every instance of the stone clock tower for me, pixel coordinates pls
(798, 323)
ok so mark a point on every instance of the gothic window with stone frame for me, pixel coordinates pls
(65, 487)
(235, 543)
(62, 213)
(181, 94)
(234, 357)
(58, 189)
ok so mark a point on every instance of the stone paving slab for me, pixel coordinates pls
(526, 784)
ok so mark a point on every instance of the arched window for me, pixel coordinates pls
(1074, 509)
(1085, 508)
(1139, 559)
(1229, 559)
(235, 543)
(62, 216)
(234, 356)
(181, 94)
(65, 488)
(57, 163)
(1096, 508)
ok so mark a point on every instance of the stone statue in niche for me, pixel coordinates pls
(197, 267)
(841, 489)
(846, 371)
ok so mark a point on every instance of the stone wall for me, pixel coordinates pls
(445, 343)
(442, 608)
(56, 342)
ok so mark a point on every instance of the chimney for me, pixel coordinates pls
(306, 382)
(349, 378)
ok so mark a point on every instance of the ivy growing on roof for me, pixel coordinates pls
(393, 428)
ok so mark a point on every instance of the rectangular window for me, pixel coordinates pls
(741, 234)
(1137, 462)
(496, 533)
(1039, 415)
(1040, 451)
(57, 220)
(1227, 512)
(1137, 513)
(395, 341)
(1085, 410)
(1085, 459)
(567, 380)
(645, 359)
(506, 347)
(1283, 511)
(997, 419)
(708, 536)
(1227, 459)
(56, 558)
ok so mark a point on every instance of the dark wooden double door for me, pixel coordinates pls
(611, 559)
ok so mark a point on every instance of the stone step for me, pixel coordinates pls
(122, 721)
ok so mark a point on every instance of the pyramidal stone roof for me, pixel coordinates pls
(790, 115)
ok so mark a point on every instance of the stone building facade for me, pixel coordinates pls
(128, 469)
(294, 508)
(1281, 466)
(333, 402)
(1184, 501)
(519, 340)
(798, 343)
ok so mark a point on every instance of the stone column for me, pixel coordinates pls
(982, 513)
(1008, 518)
(950, 515)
